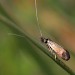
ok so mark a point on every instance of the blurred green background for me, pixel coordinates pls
(18, 56)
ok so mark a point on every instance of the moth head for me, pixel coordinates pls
(44, 40)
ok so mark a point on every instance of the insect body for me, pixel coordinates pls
(53, 47)
(56, 49)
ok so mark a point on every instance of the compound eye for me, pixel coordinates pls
(43, 39)
(46, 40)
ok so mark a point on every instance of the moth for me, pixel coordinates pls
(56, 49)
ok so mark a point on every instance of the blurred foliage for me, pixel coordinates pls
(18, 56)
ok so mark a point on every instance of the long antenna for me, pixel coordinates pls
(15, 34)
(37, 22)
(37, 18)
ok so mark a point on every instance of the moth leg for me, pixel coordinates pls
(52, 51)
(55, 56)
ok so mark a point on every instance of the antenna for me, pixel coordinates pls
(37, 18)
(37, 22)
(15, 34)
